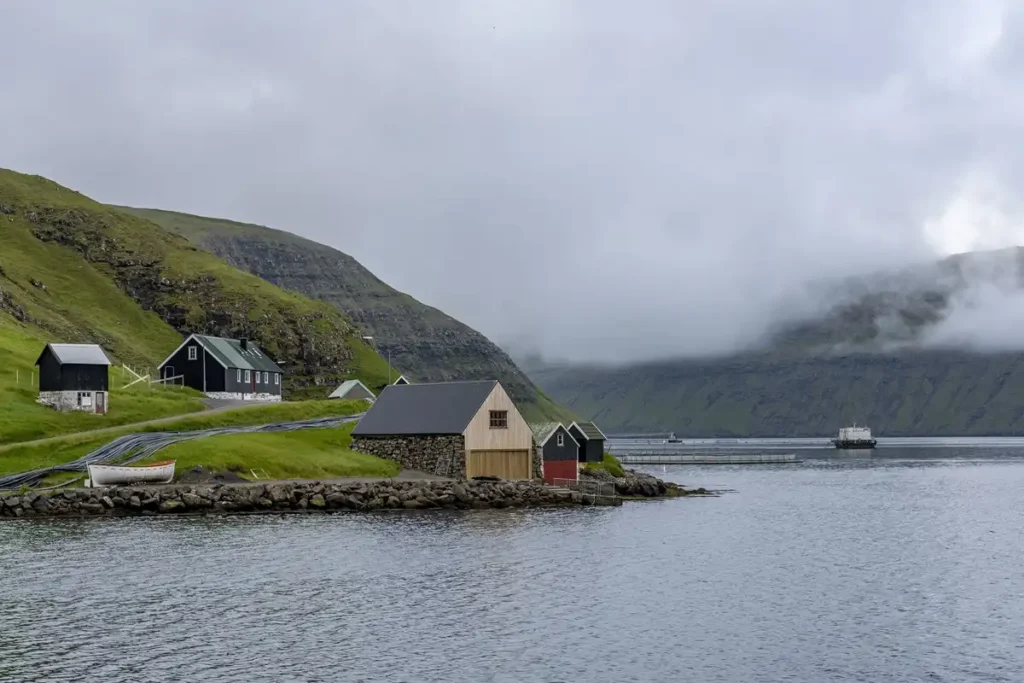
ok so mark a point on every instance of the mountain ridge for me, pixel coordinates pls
(425, 343)
(903, 352)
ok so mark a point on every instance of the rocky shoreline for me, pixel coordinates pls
(307, 497)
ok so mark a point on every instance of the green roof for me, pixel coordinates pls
(590, 430)
(542, 430)
(231, 354)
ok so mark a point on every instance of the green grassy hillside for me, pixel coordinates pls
(307, 454)
(72, 269)
(425, 343)
(30, 456)
(22, 419)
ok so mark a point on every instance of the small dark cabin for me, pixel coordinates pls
(74, 377)
(224, 369)
(590, 439)
(559, 452)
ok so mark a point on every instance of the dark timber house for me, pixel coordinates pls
(454, 429)
(74, 377)
(224, 369)
(559, 452)
(590, 439)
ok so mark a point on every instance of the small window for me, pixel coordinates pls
(193, 353)
(256, 352)
(266, 378)
(257, 377)
(560, 440)
(85, 399)
(248, 377)
(238, 375)
(277, 378)
(499, 419)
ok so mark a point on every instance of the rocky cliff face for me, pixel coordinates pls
(425, 344)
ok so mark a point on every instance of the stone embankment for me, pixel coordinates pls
(289, 497)
(639, 485)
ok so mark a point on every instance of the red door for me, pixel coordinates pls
(101, 402)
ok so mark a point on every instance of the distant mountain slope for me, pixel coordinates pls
(76, 270)
(424, 343)
(871, 356)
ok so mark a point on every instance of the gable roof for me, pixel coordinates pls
(589, 430)
(230, 354)
(76, 354)
(542, 433)
(347, 387)
(401, 380)
(413, 409)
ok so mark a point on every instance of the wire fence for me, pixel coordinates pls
(134, 447)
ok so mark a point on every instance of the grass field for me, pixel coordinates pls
(22, 419)
(609, 464)
(306, 454)
(74, 446)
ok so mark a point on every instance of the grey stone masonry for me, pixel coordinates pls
(275, 498)
(444, 455)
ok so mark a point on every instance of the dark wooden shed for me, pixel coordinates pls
(559, 451)
(74, 377)
(591, 441)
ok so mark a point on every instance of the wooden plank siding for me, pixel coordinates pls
(479, 435)
(509, 465)
(505, 453)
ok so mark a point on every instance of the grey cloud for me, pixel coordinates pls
(608, 182)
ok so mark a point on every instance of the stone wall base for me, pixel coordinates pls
(239, 396)
(283, 497)
(67, 401)
(441, 455)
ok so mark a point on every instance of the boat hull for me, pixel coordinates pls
(112, 475)
(854, 445)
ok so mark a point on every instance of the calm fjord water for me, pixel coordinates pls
(891, 567)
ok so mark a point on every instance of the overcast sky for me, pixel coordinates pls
(600, 179)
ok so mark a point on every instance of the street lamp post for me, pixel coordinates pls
(369, 338)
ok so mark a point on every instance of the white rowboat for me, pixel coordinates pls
(111, 475)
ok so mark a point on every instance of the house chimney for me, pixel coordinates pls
(245, 344)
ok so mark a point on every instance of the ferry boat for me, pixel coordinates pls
(854, 437)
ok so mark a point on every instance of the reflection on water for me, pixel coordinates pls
(893, 566)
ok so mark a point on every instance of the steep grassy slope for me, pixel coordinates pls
(867, 358)
(76, 270)
(424, 343)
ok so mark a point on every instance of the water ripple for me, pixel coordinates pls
(824, 572)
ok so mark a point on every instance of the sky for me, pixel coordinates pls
(595, 180)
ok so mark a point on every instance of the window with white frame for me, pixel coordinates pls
(193, 353)
(277, 378)
(560, 440)
(85, 399)
(248, 377)
(238, 375)
(266, 378)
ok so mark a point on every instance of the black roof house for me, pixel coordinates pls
(443, 408)
(591, 441)
(221, 366)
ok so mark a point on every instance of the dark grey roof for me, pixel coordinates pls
(438, 408)
(231, 354)
(590, 430)
(77, 354)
